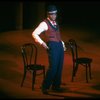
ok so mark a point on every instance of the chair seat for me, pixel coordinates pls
(84, 60)
(35, 67)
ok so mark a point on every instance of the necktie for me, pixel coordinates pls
(54, 23)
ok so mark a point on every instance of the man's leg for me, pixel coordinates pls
(57, 81)
(51, 72)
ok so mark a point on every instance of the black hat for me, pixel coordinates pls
(51, 9)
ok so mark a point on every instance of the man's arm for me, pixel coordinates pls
(35, 34)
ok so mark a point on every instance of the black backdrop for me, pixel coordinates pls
(84, 15)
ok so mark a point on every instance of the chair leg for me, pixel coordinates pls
(43, 73)
(75, 68)
(23, 78)
(86, 74)
(33, 79)
(73, 76)
(90, 71)
(73, 73)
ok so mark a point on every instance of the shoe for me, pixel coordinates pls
(58, 89)
(44, 91)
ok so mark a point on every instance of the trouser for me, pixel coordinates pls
(54, 72)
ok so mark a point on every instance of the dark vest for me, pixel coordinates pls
(52, 34)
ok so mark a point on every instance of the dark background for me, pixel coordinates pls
(75, 14)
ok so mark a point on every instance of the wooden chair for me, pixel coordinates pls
(84, 61)
(29, 55)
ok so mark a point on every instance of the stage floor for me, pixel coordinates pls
(11, 66)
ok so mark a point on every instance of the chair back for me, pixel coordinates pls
(73, 47)
(29, 54)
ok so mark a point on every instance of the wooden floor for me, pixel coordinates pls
(11, 67)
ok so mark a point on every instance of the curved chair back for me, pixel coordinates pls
(29, 54)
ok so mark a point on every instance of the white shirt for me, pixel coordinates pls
(41, 28)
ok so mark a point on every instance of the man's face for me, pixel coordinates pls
(52, 16)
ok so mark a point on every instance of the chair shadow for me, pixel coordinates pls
(7, 71)
(97, 86)
(9, 49)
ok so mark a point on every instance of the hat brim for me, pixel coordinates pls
(52, 12)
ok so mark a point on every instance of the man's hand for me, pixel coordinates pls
(45, 45)
(64, 48)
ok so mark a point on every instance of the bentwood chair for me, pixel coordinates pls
(83, 61)
(29, 55)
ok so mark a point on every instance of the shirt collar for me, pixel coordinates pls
(51, 21)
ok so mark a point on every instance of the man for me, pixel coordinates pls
(55, 48)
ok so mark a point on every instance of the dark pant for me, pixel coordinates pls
(54, 72)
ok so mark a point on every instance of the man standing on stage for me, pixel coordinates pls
(55, 48)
